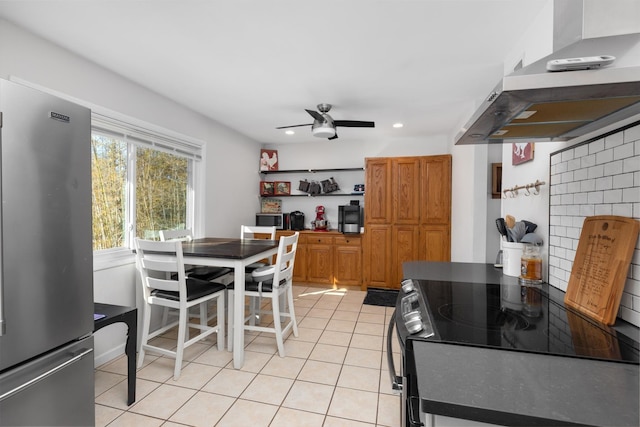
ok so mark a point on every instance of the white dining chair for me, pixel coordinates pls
(252, 232)
(165, 284)
(273, 284)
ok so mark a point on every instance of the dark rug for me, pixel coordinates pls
(381, 297)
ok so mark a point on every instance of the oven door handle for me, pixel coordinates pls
(396, 381)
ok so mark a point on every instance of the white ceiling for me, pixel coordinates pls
(254, 65)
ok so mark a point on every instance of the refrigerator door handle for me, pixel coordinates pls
(46, 374)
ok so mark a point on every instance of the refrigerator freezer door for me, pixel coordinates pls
(53, 390)
(47, 265)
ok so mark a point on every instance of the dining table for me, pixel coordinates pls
(232, 253)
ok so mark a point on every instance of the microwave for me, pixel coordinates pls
(278, 220)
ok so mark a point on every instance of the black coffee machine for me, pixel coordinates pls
(296, 220)
(350, 219)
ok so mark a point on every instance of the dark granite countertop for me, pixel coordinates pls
(516, 388)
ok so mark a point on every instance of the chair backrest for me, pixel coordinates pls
(161, 266)
(250, 231)
(285, 259)
(182, 235)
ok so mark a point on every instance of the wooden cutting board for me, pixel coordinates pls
(601, 266)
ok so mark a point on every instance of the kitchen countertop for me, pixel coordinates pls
(516, 388)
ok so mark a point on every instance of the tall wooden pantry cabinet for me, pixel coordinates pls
(407, 215)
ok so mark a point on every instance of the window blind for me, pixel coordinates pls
(144, 137)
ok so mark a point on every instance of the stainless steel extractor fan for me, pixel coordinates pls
(324, 126)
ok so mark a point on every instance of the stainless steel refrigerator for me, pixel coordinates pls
(46, 281)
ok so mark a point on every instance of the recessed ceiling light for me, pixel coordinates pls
(398, 125)
(289, 132)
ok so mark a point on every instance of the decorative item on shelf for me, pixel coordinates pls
(358, 189)
(304, 186)
(329, 185)
(283, 188)
(271, 206)
(266, 188)
(522, 152)
(268, 160)
(314, 188)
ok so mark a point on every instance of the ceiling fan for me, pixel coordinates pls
(324, 126)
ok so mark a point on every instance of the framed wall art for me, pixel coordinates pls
(521, 152)
(283, 188)
(267, 188)
(268, 160)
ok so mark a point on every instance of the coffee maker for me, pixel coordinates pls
(296, 220)
(350, 219)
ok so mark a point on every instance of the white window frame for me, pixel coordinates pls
(152, 136)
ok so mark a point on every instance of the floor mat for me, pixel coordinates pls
(381, 297)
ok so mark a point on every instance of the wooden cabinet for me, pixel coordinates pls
(347, 264)
(320, 259)
(407, 215)
(329, 258)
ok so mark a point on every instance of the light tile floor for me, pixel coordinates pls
(334, 375)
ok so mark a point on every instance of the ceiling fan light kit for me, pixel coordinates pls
(323, 131)
(324, 126)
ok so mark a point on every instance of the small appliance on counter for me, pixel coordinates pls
(279, 220)
(296, 220)
(350, 218)
(320, 223)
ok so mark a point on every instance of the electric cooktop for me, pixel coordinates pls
(494, 315)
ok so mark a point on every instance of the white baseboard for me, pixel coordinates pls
(108, 356)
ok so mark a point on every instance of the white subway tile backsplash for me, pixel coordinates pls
(598, 178)
(614, 140)
(631, 134)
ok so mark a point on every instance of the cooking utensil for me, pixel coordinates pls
(510, 221)
(531, 227)
(531, 238)
(518, 231)
(502, 227)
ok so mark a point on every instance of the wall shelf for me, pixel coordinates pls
(311, 170)
(315, 195)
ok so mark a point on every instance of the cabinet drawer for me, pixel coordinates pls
(322, 240)
(348, 241)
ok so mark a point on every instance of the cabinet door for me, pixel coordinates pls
(377, 256)
(377, 197)
(405, 184)
(320, 259)
(300, 263)
(347, 261)
(435, 243)
(404, 247)
(435, 190)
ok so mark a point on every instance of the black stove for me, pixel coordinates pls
(494, 315)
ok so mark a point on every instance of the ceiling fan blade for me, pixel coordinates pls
(315, 115)
(354, 123)
(293, 126)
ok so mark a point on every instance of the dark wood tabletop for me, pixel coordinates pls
(230, 248)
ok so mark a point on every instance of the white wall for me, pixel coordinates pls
(37, 61)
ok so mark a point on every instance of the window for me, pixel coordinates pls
(143, 182)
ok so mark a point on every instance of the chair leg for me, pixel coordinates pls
(229, 320)
(275, 306)
(220, 321)
(292, 312)
(146, 324)
(182, 334)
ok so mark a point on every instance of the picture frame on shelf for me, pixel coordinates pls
(267, 188)
(282, 188)
(268, 160)
(269, 205)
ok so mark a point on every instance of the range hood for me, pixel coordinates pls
(537, 105)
